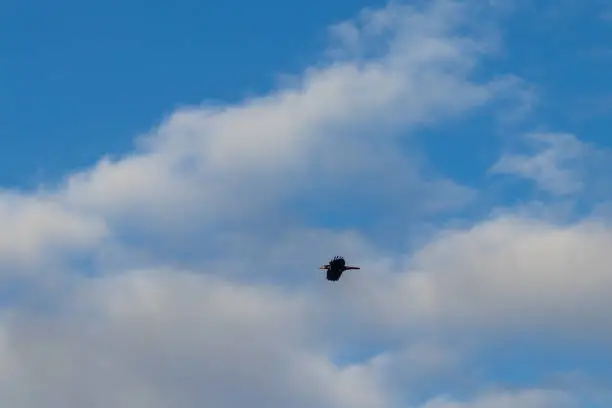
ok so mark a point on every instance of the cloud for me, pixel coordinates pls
(36, 230)
(204, 163)
(553, 168)
(150, 338)
(559, 164)
(506, 277)
(161, 338)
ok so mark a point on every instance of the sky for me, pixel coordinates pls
(174, 175)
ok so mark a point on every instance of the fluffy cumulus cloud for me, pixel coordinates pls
(199, 283)
(506, 275)
(35, 230)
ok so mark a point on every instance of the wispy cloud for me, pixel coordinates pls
(560, 164)
(554, 167)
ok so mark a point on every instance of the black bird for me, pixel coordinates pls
(336, 267)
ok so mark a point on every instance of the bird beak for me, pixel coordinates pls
(323, 267)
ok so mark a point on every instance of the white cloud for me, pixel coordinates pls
(36, 230)
(208, 162)
(509, 276)
(166, 338)
(560, 164)
(555, 168)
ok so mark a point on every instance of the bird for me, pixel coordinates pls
(336, 267)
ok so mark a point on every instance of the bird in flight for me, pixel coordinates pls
(336, 267)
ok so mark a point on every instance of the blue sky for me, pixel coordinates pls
(96, 75)
(475, 198)
(99, 74)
